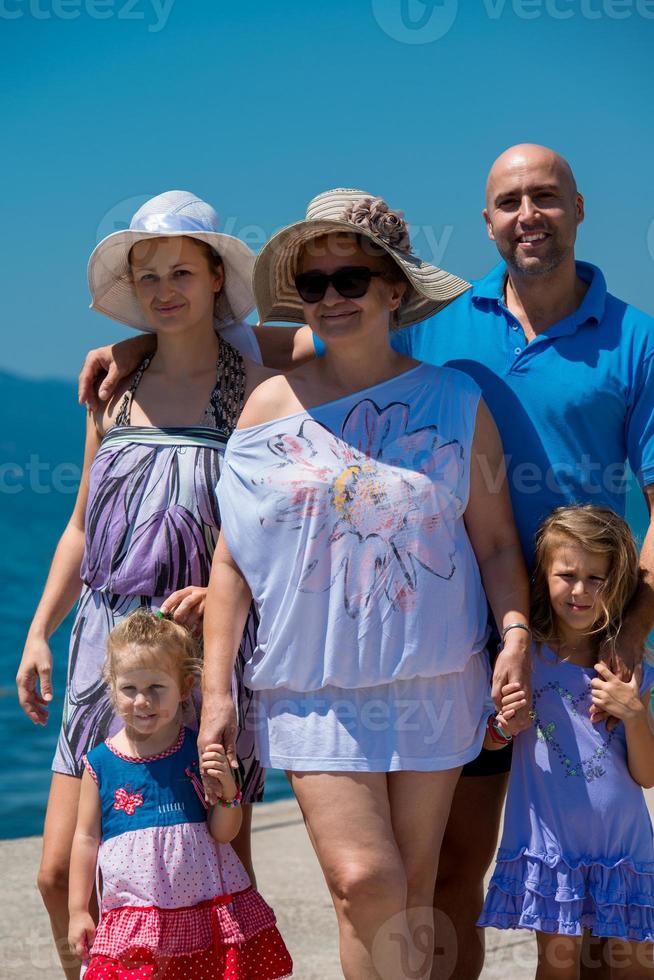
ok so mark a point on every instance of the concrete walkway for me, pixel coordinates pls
(288, 877)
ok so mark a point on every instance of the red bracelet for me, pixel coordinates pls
(236, 801)
(495, 731)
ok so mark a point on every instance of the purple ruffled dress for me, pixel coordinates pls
(152, 521)
(577, 850)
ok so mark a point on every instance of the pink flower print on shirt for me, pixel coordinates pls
(374, 500)
(123, 800)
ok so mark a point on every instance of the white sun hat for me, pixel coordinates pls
(349, 211)
(171, 214)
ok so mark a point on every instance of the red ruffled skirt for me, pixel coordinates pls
(232, 937)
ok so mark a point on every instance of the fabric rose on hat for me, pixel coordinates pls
(374, 215)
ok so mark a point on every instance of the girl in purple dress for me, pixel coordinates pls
(577, 850)
(146, 519)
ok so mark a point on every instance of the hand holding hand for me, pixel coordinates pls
(81, 933)
(615, 697)
(215, 767)
(514, 700)
(513, 669)
(621, 663)
(218, 727)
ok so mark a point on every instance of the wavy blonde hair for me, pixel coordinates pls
(145, 640)
(599, 531)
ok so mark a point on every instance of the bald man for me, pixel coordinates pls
(568, 373)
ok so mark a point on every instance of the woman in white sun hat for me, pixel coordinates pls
(146, 519)
(355, 511)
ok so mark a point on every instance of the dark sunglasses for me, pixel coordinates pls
(352, 282)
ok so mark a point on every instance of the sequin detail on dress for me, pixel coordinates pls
(577, 848)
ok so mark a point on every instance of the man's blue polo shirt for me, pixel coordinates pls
(571, 406)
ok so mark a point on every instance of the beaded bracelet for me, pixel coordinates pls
(496, 732)
(236, 801)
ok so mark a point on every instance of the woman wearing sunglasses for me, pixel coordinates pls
(356, 513)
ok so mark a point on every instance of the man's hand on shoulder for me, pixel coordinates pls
(104, 367)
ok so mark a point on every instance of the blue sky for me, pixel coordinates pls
(258, 106)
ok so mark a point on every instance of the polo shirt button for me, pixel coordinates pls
(515, 326)
(518, 350)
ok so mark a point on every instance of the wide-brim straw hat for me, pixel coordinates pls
(169, 215)
(349, 211)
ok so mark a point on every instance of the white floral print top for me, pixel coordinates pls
(347, 523)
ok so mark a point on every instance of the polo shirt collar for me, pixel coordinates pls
(491, 288)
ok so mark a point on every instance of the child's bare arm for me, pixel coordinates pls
(224, 821)
(624, 701)
(83, 860)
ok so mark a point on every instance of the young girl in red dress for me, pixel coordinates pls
(176, 902)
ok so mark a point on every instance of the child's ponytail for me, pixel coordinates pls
(146, 635)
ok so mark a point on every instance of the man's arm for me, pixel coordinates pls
(284, 348)
(639, 619)
(104, 368)
(639, 434)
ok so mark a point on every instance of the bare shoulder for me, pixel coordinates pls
(255, 374)
(272, 399)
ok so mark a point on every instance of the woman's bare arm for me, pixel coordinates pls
(226, 611)
(61, 591)
(492, 531)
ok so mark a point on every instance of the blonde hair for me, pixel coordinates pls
(600, 531)
(143, 639)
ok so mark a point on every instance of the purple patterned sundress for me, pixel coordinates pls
(152, 521)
